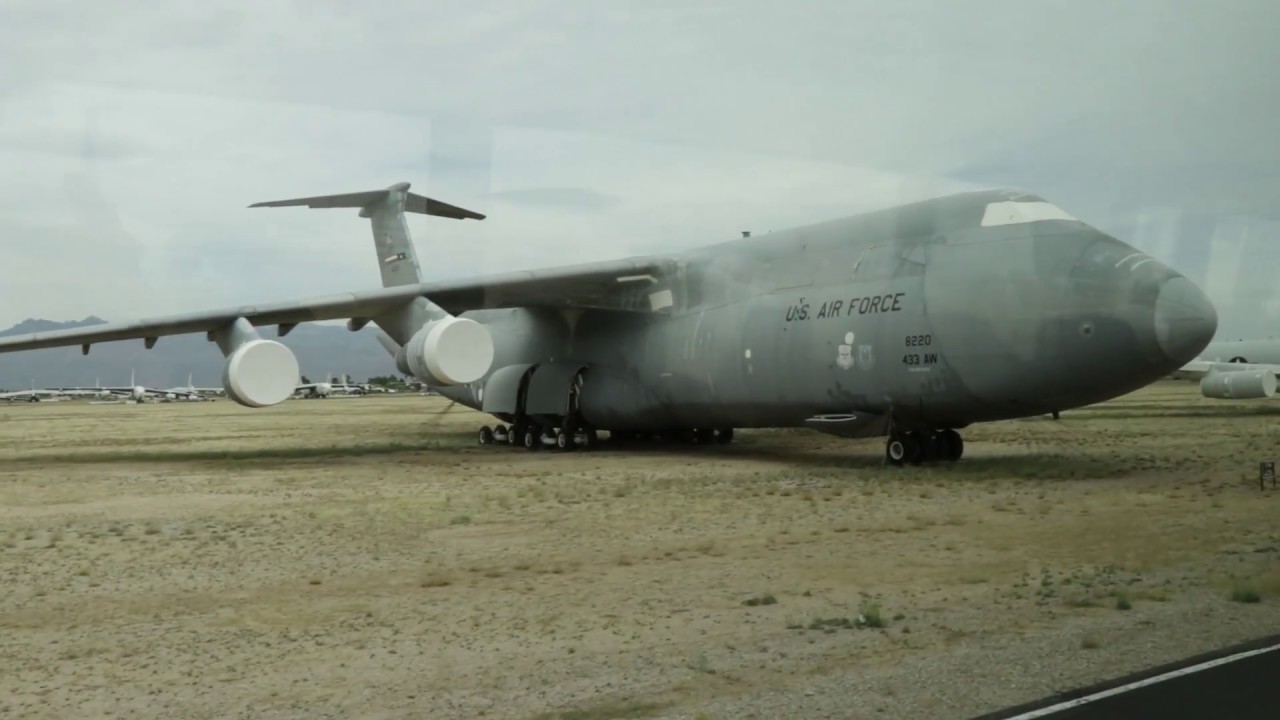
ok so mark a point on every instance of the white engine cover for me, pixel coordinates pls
(1242, 385)
(450, 351)
(260, 373)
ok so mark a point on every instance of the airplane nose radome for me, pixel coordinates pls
(1185, 320)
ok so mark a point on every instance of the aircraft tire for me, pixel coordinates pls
(932, 446)
(532, 438)
(905, 448)
(500, 434)
(486, 435)
(954, 445)
(915, 444)
(567, 438)
(895, 450)
(723, 436)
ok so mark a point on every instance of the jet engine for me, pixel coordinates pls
(260, 373)
(448, 351)
(1242, 385)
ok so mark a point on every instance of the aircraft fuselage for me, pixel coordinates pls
(937, 314)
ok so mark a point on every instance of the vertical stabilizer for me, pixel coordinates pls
(385, 210)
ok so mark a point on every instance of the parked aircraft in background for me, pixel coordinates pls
(1264, 351)
(908, 323)
(136, 393)
(1236, 369)
(190, 392)
(33, 395)
(329, 388)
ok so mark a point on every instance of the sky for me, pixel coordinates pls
(133, 136)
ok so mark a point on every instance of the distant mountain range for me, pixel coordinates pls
(321, 350)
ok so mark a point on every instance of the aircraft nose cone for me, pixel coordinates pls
(1185, 320)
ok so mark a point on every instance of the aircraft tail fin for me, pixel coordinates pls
(385, 210)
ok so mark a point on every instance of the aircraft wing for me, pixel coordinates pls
(1197, 369)
(28, 393)
(639, 284)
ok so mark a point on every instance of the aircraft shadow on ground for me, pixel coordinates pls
(869, 457)
(859, 456)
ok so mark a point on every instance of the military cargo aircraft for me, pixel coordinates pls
(908, 323)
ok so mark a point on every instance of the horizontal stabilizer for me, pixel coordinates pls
(413, 203)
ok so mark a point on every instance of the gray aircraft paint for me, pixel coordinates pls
(920, 314)
(942, 323)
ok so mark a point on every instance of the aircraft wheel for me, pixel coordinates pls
(722, 436)
(570, 429)
(565, 440)
(932, 446)
(486, 435)
(903, 448)
(895, 450)
(500, 434)
(954, 445)
(588, 439)
(532, 438)
(915, 447)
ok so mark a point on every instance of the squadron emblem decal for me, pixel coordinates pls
(844, 353)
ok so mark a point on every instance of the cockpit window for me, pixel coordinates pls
(1012, 212)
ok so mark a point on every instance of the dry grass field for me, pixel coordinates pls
(366, 558)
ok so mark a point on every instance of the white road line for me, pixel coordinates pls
(1141, 683)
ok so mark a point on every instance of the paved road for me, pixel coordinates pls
(1240, 683)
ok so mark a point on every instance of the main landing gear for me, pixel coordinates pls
(569, 435)
(917, 446)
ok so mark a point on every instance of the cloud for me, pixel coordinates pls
(589, 131)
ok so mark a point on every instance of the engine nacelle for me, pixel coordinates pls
(260, 373)
(1242, 385)
(448, 351)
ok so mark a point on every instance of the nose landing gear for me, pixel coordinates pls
(917, 446)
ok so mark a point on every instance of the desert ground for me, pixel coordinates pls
(366, 558)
